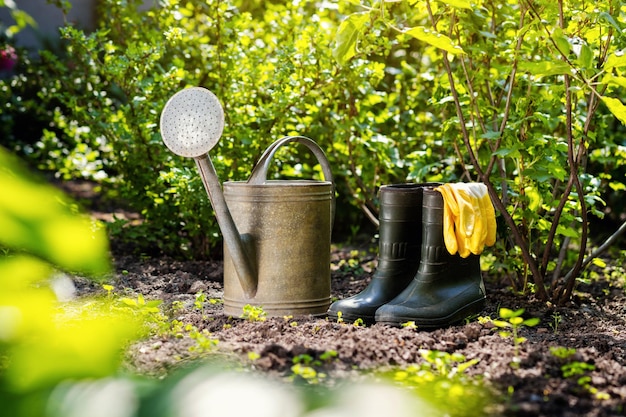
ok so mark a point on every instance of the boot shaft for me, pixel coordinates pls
(436, 262)
(400, 229)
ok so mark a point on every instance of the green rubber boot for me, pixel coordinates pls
(398, 252)
(446, 288)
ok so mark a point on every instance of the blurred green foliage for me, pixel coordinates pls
(42, 340)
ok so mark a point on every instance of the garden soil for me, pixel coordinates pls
(593, 324)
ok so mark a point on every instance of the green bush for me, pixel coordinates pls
(523, 94)
(271, 66)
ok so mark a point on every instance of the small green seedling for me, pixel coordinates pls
(198, 304)
(578, 370)
(512, 322)
(359, 322)
(253, 313)
(556, 320)
(109, 290)
(339, 317)
(409, 325)
(304, 366)
(141, 305)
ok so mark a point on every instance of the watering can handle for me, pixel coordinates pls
(259, 172)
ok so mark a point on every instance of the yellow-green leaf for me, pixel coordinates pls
(545, 68)
(459, 4)
(347, 35)
(435, 39)
(613, 80)
(616, 107)
(531, 322)
(615, 61)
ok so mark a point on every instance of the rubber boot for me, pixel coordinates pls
(446, 288)
(398, 253)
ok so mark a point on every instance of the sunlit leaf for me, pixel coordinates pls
(36, 218)
(599, 262)
(585, 59)
(612, 80)
(566, 231)
(545, 68)
(562, 42)
(531, 322)
(347, 35)
(615, 61)
(616, 107)
(435, 39)
(607, 17)
(459, 4)
(534, 196)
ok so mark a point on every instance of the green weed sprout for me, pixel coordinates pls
(304, 366)
(339, 317)
(253, 313)
(409, 325)
(577, 369)
(512, 322)
(442, 379)
(556, 320)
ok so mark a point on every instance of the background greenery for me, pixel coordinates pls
(393, 91)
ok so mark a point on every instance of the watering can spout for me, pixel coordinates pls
(235, 243)
(192, 122)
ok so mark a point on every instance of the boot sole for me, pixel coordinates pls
(457, 316)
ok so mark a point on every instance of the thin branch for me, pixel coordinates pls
(530, 262)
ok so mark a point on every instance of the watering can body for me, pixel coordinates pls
(285, 227)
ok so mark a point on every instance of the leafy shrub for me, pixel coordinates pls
(523, 95)
(271, 67)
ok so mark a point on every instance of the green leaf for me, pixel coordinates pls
(566, 231)
(531, 322)
(610, 20)
(585, 59)
(459, 4)
(616, 107)
(129, 302)
(612, 80)
(507, 313)
(599, 262)
(501, 323)
(435, 39)
(615, 61)
(347, 35)
(42, 222)
(562, 42)
(545, 68)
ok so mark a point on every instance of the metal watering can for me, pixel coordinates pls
(276, 232)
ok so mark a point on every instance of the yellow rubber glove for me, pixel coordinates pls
(469, 221)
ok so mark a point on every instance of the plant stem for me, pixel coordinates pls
(537, 277)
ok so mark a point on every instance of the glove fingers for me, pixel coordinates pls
(469, 218)
(449, 236)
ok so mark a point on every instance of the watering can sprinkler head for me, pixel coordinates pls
(191, 124)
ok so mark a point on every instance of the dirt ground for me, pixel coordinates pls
(594, 324)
